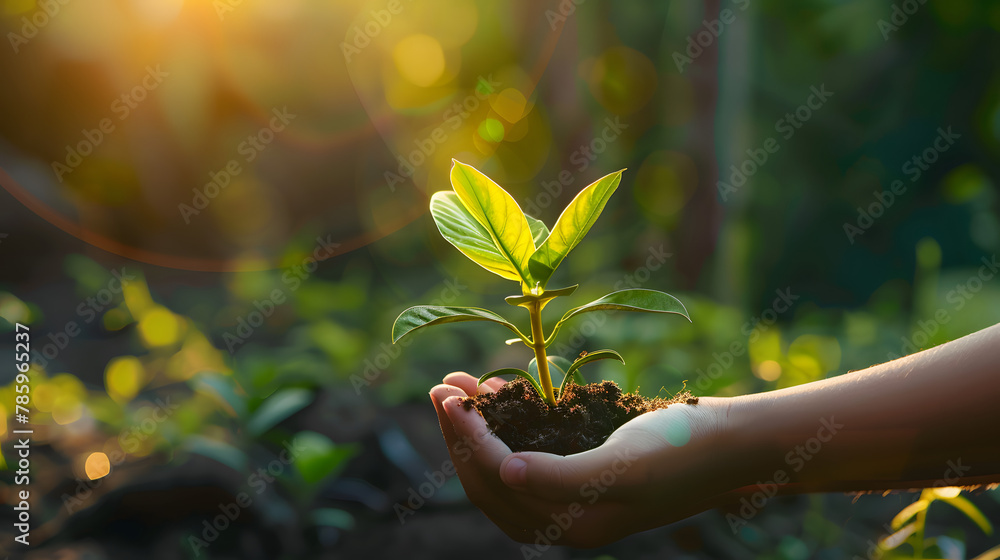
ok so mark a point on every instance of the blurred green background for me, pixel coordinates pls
(213, 211)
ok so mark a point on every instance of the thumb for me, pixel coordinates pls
(566, 479)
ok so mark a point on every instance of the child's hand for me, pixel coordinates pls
(660, 467)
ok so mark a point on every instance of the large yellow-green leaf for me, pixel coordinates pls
(573, 224)
(426, 315)
(499, 215)
(460, 228)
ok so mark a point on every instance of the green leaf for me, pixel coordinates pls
(223, 389)
(318, 457)
(426, 315)
(498, 213)
(217, 450)
(572, 225)
(971, 511)
(546, 297)
(278, 407)
(539, 231)
(332, 517)
(649, 301)
(517, 372)
(572, 371)
(460, 228)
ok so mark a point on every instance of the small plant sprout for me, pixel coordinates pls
(485, 223)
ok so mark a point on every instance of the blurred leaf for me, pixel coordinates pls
(573, 224)
(278, 407)
(426, 315)
(223, 389)
(318, 457)
(971, 511)
(498, 213)
(331, 517)
(460, 228)
(908, 512)
(217, 450)
(899, 537)
(991, 554)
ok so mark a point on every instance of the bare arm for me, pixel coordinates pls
(932, 418)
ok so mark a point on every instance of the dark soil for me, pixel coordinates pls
(583, 419)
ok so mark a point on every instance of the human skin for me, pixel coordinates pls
(924, 420)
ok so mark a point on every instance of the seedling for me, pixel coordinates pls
(485, 223)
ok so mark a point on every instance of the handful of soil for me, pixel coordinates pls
(584, 418)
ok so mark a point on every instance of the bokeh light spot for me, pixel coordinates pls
(159, 327)
(123, 378)
(97, 466)
(419, 59)
(509, 104)
(769, 370)
(491, 130)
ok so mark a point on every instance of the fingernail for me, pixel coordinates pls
(515, 473)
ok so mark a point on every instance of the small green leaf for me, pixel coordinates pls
(572, 225)
(908, 512)
(332, 517)
(426, 315)
(223, 389)
(217, 450)
(649, 301)
(971, 511)
(499, 215)
(539, 231)
(517, 372)
(318, 457)
(460, 228)
(546, 297)
(278, 407)
(593, 357)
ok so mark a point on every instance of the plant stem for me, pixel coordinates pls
(538, 340)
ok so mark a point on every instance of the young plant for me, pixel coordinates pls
(485, 223)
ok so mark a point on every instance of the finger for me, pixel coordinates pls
(561, 479)
(463, 381)
(495, 383)
(471, 429)
(438, 394)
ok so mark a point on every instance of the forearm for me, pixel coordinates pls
(926, 419)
